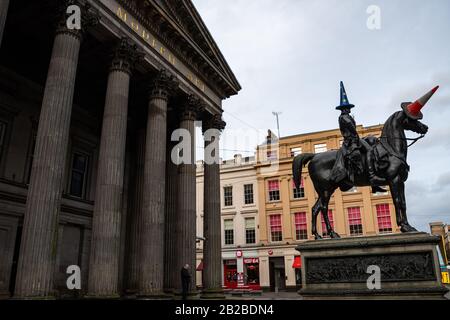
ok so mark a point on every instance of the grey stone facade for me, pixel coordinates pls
(85, 176)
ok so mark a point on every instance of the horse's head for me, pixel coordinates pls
(412, 124)
(412, 113)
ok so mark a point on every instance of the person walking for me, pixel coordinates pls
(185, 281)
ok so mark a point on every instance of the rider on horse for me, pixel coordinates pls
(349, 160)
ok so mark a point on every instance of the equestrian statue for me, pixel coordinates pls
(368, 161)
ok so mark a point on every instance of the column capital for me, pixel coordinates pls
(125, 56)
(89, 18)
(214, 121)
(191, 108)
(163, 85)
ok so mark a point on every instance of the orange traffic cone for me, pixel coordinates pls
(413, 110)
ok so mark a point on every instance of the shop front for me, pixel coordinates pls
(251, 273)
(241, 270)
(230, 274)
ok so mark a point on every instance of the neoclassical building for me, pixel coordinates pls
(86, 123)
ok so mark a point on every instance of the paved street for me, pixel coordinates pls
(283, 296)
(268, 296)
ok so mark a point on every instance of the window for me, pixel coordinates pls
(274, 190)
(250, 232)
(272, 155)
(296, 151)
(275, 228)
(301, 232)
(229, 232)
(300, 192)
(354, 221)
(319, 148)
(78, 175)
(324, 227)
(228, 196)
(384, 218)
(248, 194)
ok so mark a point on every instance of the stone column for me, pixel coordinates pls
(4, 4)
(106, 224)
(171, 274)
(40, 227)
(151, 266)
(185, 229)
(134, 229)
(212, 247)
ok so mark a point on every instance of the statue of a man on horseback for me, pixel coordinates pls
(364, 162)
(349, 159)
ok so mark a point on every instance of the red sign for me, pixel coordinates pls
(239, 253)
(251, 260)
(270, 252)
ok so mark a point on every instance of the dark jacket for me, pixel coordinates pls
(185, 277)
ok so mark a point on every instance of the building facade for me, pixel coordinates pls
(239, 221)
(441, 229)
(87, 122)
(285, 213)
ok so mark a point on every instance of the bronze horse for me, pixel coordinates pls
(391, 149)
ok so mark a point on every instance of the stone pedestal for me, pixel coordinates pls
(338, 268)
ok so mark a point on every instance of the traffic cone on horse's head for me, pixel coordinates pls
(412, 110)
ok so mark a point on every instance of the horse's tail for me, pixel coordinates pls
(300, 161)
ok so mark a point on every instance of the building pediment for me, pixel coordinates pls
(178, 24)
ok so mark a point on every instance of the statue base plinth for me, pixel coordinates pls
(407, 265)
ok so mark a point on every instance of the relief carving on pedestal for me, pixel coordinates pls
(394, 267)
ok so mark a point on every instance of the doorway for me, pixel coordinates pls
(277, 274)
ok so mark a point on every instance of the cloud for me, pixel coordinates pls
(289, 56)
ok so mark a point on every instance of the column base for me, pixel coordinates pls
(193, 295)
(170, 291)
(161, 295)
(102, 297)
(34, 298)
(213, 294)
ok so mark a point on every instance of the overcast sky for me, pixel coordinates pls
(289, 56)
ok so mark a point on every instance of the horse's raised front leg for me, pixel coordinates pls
(399, 199)
(315, 213)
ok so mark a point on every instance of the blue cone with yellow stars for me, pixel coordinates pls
(344, 100)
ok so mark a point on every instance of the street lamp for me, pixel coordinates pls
(277, 114)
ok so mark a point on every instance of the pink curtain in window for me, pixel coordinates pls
(354, 216)
(274, 185)
(300, 221)
(275, 223)
(383, 216)
(301, 183)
